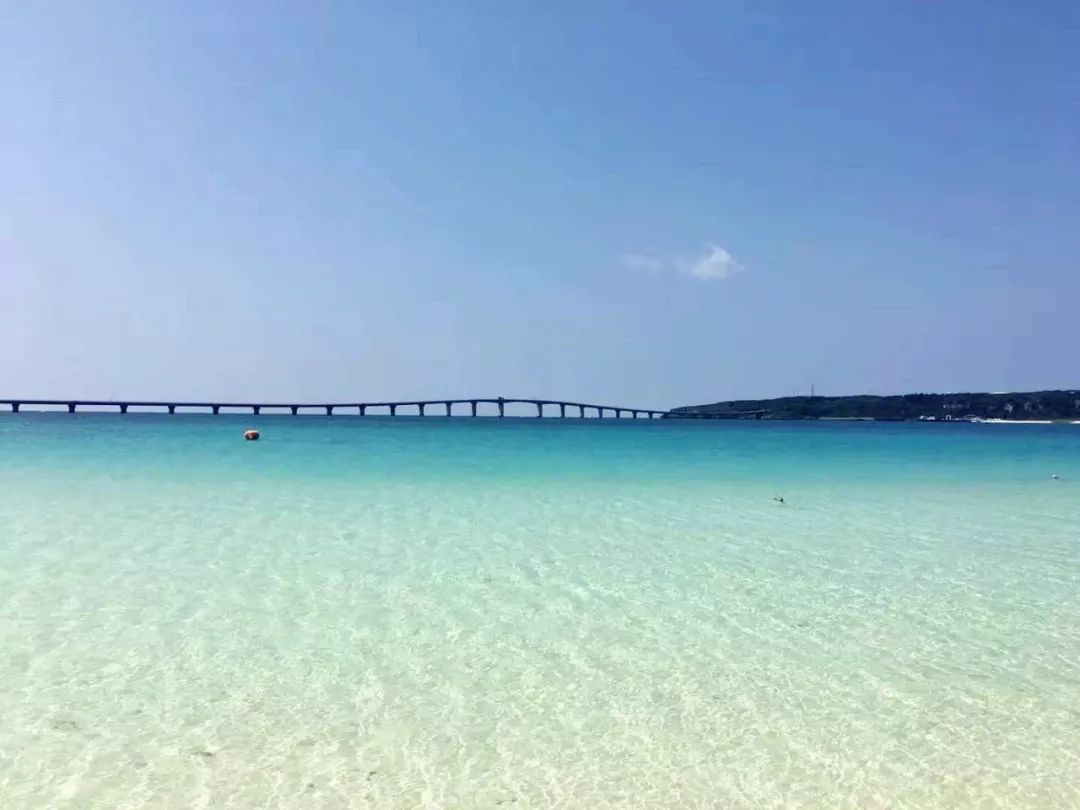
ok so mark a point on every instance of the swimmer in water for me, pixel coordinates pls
(779, 499)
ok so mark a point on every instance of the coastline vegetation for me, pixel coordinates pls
(1035, 405)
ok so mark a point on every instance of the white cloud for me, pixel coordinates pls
(717, 263)
(714, 264)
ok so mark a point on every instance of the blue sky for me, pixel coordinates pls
(645, 203)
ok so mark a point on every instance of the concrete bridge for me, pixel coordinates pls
(684, 414)
(440, 407)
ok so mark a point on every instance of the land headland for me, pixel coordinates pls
(1011, 406)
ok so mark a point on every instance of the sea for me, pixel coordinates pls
(520, 613)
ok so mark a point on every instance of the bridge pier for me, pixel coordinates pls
(448, 408)
(502, 411)
(562, 410)
(215, 409)
(294, 409)
(363, 410)
(473, 403)
(539, 410)
(393, 410)
(71, 407)
(14, 407)
(420, 405)
(256, 409)
(329, 410)
(599, 413)
(172, 409)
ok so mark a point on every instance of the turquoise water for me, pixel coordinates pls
(530, 614)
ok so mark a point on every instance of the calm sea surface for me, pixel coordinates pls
(530, 614)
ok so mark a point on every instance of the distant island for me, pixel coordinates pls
(1014, 406)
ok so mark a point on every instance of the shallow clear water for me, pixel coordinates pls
(478, 613)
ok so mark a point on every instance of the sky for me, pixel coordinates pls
(643, 203)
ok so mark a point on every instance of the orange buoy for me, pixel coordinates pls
(251, 434)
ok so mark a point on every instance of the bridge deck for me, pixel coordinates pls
(360, 408)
